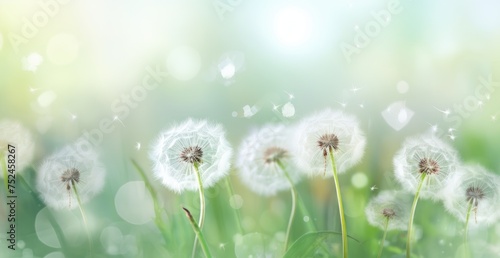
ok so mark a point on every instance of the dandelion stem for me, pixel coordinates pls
(73, 185)
(341, 207)
(466, 230)
(236, 213)
(412, 215)
(158, 211)
(294, 203)
(201, 220)
(199, 234)
(50, 217)
(383, 238)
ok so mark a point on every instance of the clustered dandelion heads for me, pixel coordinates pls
(66, 169)
(14, 133)
(389, 210)
(261, 159)
(177, 149)
(195, 154)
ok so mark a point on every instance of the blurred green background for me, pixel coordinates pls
(402, 67)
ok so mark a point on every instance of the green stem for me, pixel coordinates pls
(83, 215)
(383, 238)
(294, 203)
(236, 213)
(341, 207)
(199, 234)
(158, 211)
(50, 217)
(466, 230)
(201, 219)
(412, 215)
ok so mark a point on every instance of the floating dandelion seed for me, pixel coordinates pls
(446, 112)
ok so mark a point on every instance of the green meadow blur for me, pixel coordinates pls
(119, 73)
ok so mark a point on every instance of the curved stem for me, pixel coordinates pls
(236, 213)
(412, 215)
(341, 207)
(201, 219)
(294, 203)
(73, 185)
(383, 238)
(466, 230)
(157, 208)
(199, 234)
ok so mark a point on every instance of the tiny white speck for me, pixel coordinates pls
(138, 145)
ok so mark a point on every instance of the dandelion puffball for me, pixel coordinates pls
(392, 205)
(427, 155)
(473, 185)
(15, 134)
(65, 169)
(179, 149)
(260, 158)
(327, 131)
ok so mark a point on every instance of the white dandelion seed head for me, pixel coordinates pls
(178, 148)
(15, 134)
(65, 167)
(473, 184)
(392, 205)
(425, 154)
(329, 128)
(259, 158)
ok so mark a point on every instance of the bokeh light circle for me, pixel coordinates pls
(183, 63)
(359, 180)
(236, 201)
(134, 204)
(403, 87)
